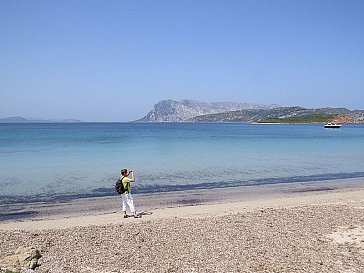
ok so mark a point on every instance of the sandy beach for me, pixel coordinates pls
(317, 227)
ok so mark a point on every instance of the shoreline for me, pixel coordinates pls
(90, 211)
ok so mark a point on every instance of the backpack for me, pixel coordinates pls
(119, 186)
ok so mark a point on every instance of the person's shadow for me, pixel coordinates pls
(143, 213)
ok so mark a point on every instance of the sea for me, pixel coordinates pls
(60, 162)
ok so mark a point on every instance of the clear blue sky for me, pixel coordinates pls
(113, 60)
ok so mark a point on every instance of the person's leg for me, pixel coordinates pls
(130, 202)
(124, 201)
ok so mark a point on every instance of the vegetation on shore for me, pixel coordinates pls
(312, 118)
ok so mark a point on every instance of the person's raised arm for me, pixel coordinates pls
(132, 179)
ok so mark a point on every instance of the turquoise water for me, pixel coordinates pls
(84, 159)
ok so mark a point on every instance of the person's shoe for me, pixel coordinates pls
(126, 216)
(136, 215)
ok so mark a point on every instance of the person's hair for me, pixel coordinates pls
(123, 171)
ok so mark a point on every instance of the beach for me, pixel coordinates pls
(306, 227)
(234, 128)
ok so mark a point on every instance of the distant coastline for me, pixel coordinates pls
(200, 112)
(188, 111)
(24, 120)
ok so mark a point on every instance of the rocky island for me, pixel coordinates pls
(193, 111)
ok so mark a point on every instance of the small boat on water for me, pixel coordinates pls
(332, 125)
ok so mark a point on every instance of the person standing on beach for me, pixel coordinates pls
(126, 197)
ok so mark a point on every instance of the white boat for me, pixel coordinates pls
(332, 125)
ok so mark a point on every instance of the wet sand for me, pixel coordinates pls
(153, 201)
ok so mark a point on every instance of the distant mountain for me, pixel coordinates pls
(285, 115)
(194, 111)
(177, 111)
(13, 120)
(24, 120)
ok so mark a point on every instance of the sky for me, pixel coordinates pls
(113, 60)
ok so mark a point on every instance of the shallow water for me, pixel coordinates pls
(63, 161)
